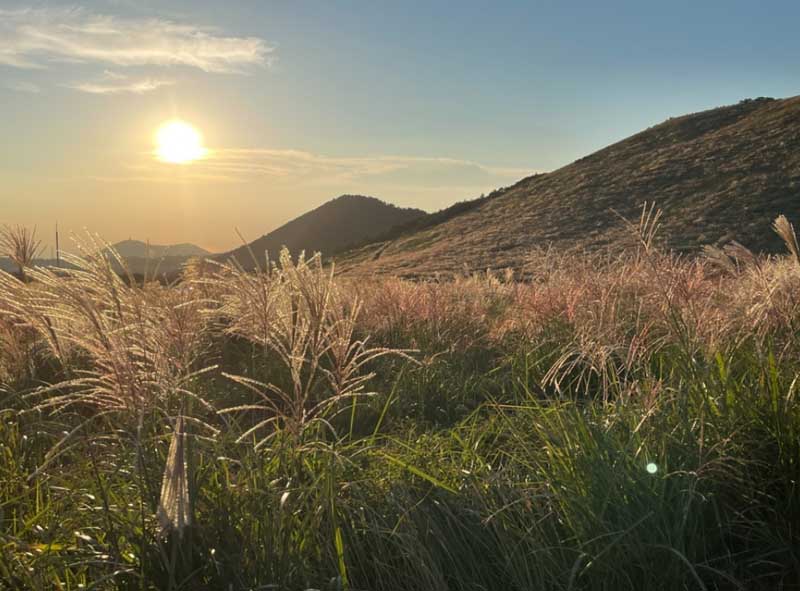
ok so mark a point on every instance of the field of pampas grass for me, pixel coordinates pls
(599, 423)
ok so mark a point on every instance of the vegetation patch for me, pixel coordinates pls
(627, 422)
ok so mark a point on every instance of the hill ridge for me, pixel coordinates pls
(719, 174)
(336, 225)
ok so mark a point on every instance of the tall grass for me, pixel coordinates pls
(20, 244)
(609, 422)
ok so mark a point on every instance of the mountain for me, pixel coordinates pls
(156, 259)
(718, 175)
(9, 266)
(333, 227)
(139, 249)
(140, 257)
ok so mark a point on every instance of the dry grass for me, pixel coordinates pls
(298, 313)
(141, 342)
(616, 312)
(136, 348)
(227, 432)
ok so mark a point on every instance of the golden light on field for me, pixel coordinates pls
(177, 142)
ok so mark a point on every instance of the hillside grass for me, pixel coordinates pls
(627, 422)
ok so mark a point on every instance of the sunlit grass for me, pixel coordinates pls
(625, 423)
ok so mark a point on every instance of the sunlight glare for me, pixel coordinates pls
(177, 142)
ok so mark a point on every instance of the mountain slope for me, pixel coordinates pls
(139, 249)
(718, 175)
(334, 226)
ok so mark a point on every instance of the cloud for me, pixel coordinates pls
(34, 38)
(111, 75)
(305, 166)
(113, 83)
(290, 169)
(20, 86)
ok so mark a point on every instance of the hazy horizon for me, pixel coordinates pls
(420, 105)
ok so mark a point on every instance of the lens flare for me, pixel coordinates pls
(652, 468)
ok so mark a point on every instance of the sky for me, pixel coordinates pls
(421, 104)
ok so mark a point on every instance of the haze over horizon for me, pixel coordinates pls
(419, 104)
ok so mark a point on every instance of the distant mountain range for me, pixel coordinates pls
(143, 258)
(718, 175)
(343, 222)
(139, 249)
(339, 224)
(9, 266)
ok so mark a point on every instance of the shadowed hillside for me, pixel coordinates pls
(718, 175)
(333, 227)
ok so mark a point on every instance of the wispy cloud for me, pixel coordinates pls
(292, 168)
(114, 83)
(22, 86)
(307, 166)
(34, 38)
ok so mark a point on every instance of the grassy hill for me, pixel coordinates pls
(333, 227)
(718, 175)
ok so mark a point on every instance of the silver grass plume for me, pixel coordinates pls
(744, 257)
(173, 508)
(719, 258)
(785, 230)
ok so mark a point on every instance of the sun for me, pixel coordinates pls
(177, 142)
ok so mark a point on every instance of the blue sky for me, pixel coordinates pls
(418, 103)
